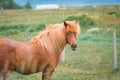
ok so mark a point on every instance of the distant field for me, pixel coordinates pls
(93, 59)
(13, 17)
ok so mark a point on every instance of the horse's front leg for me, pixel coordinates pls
(46, 74)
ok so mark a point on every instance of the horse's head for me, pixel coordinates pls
(72, 28)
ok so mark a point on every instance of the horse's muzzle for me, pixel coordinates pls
(73, 47)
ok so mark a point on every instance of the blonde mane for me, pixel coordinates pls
(53, 38)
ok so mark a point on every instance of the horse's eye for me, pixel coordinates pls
(67, 33)
(74, 33)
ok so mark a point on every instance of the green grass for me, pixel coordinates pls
(93, 59)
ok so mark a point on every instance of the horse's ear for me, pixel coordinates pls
(65, 24)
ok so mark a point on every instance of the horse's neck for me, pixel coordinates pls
(61, 48)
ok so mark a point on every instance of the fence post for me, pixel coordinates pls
(115, 49)
(29, 17)
(63, 15)
(27, 34)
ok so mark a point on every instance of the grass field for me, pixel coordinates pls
(93, 59)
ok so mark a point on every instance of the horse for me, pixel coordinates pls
(41, 54)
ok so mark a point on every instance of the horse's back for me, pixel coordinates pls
(8, 47)
(5, 46)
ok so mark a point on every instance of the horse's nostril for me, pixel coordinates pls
(73, 47)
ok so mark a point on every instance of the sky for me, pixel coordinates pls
(67, 2)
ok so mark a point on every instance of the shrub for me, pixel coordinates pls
(15, 29)
(37, 27)
(117, 14)
(84, 20)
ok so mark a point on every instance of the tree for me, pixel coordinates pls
(8, 4)
(27, 5)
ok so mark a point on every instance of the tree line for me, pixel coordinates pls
(10, 4)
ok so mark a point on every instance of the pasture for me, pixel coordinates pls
(93, 59)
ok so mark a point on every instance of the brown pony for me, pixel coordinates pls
(42, 53)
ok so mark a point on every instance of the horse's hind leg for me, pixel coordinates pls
(3, 76)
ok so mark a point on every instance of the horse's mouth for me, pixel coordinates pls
(73, 47)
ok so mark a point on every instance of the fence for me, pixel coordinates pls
(93, 59)
(13, 17)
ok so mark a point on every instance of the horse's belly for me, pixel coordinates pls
(33, 67)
